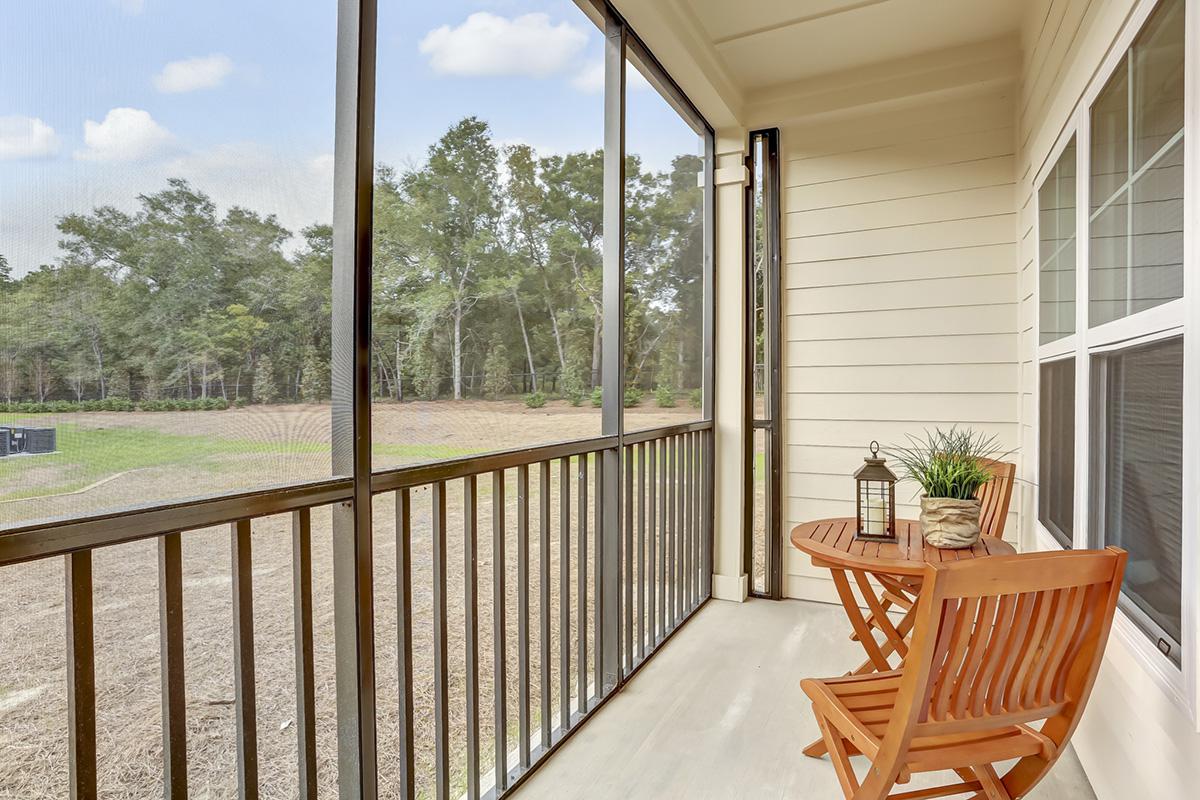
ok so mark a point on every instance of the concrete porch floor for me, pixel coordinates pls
(719, 714)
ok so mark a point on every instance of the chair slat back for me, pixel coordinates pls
(1017, 637)
(994, 497)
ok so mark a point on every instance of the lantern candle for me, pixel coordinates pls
(876, 521)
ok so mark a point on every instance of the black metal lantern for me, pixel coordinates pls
(876, 485)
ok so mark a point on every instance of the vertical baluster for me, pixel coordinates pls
(564, 594)
(707, 528)
(641, 552)
(174, 698)
(441, 681)
(81, 675)
(306, 729)
(671, 532)
(652, 587)
(471, 606)
(243, 661)
(627, 562)
(680, 524)
(404, 608)
(498, 629)
(697, 514)
(663, 528)
(544, 585)
(581, 687)
(687, 561)
(598, 580)
(523, 614)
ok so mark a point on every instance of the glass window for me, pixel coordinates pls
(1056, 248)
(1136, 179)
(1137, 469)
(1056, 450)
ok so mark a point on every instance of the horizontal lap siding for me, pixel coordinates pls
(1134, 740)
(901, 294)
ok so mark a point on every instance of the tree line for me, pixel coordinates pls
(487, 278)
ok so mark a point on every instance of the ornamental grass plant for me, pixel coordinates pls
(948, 463)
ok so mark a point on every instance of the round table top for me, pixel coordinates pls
(831, 542)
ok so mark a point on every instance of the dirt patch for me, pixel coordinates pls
(32, 650)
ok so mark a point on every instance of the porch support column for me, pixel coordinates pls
(729, 580)
(353, 593)
(612, 362)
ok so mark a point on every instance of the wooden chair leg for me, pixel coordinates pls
(817, 749)
(838, 755)
(993, 789)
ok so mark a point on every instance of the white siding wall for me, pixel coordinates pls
(1134, 741)
(900, 291)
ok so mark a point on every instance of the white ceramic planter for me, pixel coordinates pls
(950, 523)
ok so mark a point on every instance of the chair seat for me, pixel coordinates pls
(861, 708)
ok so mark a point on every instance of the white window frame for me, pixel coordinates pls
(1174, 318)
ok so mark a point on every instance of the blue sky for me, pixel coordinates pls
(103, 99)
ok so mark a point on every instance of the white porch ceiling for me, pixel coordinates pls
(765, 43)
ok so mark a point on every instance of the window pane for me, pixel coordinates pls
(1056, 234)
(1110, 138)
(1137, 469)
(1056, 451)
(1158, 81)
(165, 207)
(664, 258)
(1137, 250)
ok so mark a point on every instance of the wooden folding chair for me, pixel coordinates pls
(994, 497)
(1000, 644)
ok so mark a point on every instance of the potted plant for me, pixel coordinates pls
(949, 466)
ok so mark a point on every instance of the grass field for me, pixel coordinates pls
(118, 459)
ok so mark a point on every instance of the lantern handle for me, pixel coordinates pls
(874, 449)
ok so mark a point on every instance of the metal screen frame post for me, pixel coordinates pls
(351, 381)
(612, 363)
(772, 335)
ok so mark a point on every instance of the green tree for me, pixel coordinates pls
(497, 379)
(266, 390)
(457, 211)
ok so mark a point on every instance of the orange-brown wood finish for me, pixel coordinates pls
(998, 646)
(895, 567)
(994, 497)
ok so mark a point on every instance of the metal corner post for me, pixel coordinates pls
(708, 377)
(351, 383)
(612, 363)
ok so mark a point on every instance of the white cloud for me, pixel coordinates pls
(590, 79)
(190, 74)
(126, 134)
(488, 45)
(130, 6)
(26, 137)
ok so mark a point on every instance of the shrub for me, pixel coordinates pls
(696, 398)
(633, 396)
(664, 397)
(597, 397)
(119, 404)
(574, 397)
(535, 400)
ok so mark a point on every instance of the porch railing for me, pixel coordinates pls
(663, 534)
